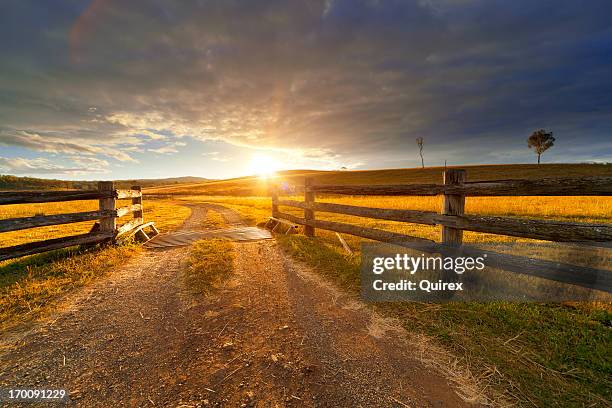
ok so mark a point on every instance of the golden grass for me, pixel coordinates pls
(254, 186)
(32, 286)
(166, 214)
(534, 354)
(213, 220)
(210, 262)
(571, 209)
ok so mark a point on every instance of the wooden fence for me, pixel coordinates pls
(104, 230)
(454, 221)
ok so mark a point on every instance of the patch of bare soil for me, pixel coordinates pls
(274, 335)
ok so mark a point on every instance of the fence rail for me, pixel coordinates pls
(576, 186)
(105, 230)
(454, 221)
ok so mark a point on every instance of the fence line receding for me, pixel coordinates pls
(454, 221)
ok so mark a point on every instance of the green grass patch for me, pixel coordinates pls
(536, 354)
(209, 264)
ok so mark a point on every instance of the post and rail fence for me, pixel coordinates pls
(454, 221)
(105, 230)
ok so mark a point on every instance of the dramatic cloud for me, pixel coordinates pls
(19, 165)
(340, 81)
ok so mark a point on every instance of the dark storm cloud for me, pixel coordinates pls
(359, 79)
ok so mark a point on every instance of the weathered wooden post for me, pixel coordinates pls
(453, 204)
(274, 195)
(309, 199)
(138, 214)
(108, 223)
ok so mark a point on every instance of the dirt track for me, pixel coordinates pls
(275, 335)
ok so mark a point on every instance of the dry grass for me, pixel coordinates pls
(534, 354)
(574, 209)
(253, 186)
(210, 262)
(213, 220)
(31, 287)
(166, 214)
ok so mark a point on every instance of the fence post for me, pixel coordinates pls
(309, 199)
(453, 204)
(138, 215)
(108, 224)
(274, 194)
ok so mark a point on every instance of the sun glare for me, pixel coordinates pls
(263, 166)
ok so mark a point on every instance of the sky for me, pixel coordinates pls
(110, 89)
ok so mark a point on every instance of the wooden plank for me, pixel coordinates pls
(141, 235)
(274, 194)
(346, 247)
(51, 244)
(15, 224)
(387, 189)
(122, 194)
(369, 233)
(132, 228)
(107, 224)
(120, 212)
(127, 227)
(26, 197)
(453, 204)
(417, 217)
(547, 230)
(560, 272)
(309, 215)
(283, 221)
(518, 227)
(565, 273)
(137, 204)
(578, 186)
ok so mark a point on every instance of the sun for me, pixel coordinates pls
(263, 166)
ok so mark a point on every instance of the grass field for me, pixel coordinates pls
(30, 287)
(210, 262)
(254, 186)
(535, 354)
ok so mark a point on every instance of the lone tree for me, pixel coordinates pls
(540, 141)
(419, 141)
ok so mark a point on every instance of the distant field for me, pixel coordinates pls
(254, 186)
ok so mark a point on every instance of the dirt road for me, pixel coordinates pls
(275, 335)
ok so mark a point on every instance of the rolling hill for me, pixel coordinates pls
(256, 186)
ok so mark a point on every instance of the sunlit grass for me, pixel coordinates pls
(32, 286)
(210, 262)
(164, 213)
(569, 209)
(535, 354)
(213, 220)
(294, 179)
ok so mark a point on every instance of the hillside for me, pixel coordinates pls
(249, 186)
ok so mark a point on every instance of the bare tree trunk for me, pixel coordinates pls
(422, 162)
(539, 158)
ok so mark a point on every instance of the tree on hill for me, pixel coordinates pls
(540, 141)
(419, 141)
